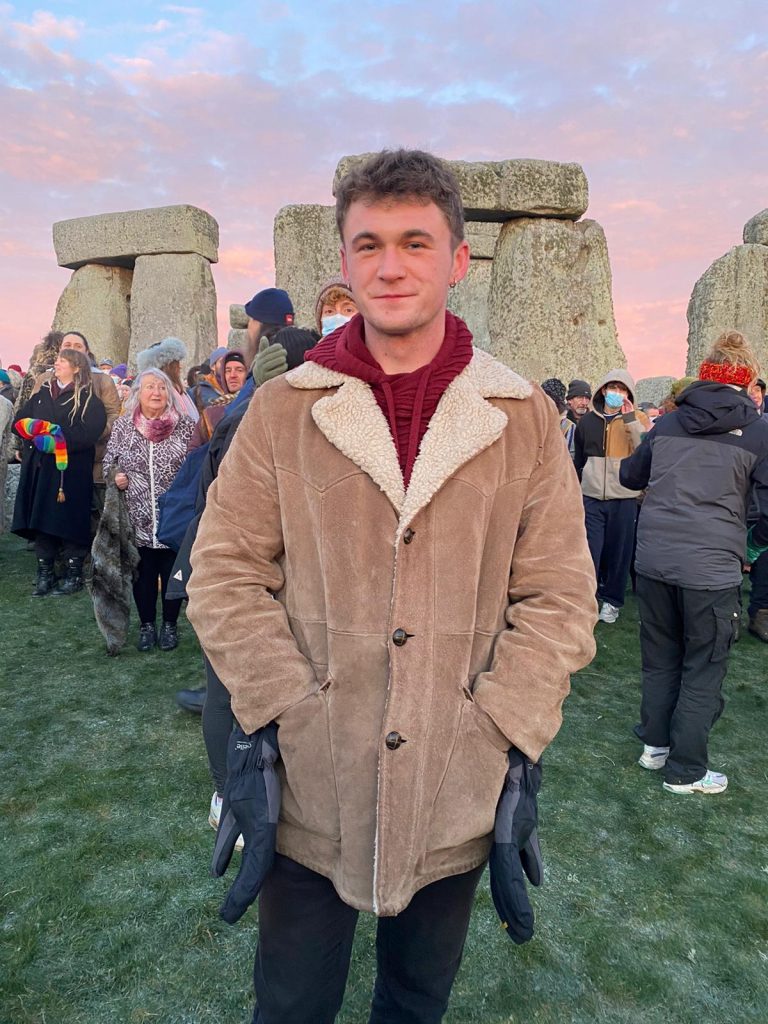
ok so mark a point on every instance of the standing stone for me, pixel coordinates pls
(482, 237)
(237, 338)
(499, 190)
(238, 318)
(756, 229)
(306, 255)
(173, 296)
(97, 302)
(469, 300)
(117, 239)
(731, 295)
(653, 389)
(550, 310)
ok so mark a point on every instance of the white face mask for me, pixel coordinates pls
(332, 323)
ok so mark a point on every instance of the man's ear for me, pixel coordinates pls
(343, 262)
(460, 261)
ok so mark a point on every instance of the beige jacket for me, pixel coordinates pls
(402, 640)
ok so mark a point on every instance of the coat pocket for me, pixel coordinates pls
(465, 806)
(310, 799)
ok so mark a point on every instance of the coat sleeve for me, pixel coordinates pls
(635, 470)
(108, 394)
(236, 569)
(552, 608)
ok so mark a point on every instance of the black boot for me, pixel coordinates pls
(168, 637)
(46, 577)
(191, 700)
(147, 636)
(73, 581)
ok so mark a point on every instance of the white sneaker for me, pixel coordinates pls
(215, 812)
(653, 758)
(712, 782)
(608, 613)
(214, 816)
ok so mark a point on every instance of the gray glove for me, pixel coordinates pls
(271, 361)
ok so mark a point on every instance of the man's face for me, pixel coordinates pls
(254, 331)
(74, 342)
(755, 392)
(399, 260)
(343, 306)
(578, 406)
(234, 375)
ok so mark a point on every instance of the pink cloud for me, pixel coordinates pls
(45, 25)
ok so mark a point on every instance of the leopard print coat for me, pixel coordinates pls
(150, 468)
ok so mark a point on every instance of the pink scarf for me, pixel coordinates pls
(157, 429)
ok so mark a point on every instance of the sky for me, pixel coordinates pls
(244, 107)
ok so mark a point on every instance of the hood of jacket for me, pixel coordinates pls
(709, 408)
(598, 402)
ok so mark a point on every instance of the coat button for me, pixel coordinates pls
(408, 535)
(400, 638)
(393, 740)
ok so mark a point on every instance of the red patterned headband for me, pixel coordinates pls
(726, 373)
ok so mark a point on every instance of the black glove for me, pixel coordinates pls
(250, 806)
(516, 847)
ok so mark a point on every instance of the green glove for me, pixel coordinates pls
(753, 550)
(271, 361)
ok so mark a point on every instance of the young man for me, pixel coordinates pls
(604, 436)
(384, 569)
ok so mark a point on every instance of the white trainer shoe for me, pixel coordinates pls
(712, 782)
(214, 816)
(653, 758)
(608, 612)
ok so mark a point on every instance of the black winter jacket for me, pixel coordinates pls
(699, 465)
(36, 509)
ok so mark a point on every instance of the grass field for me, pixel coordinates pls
(654, 909)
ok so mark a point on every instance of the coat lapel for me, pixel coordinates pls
(353, 422)
(464, 424)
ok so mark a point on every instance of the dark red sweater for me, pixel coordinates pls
(408, 400)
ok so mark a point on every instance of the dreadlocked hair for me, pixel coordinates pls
(83, 383)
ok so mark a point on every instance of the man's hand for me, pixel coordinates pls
(271, 361)
(250, 808)
(627, 406)
(516, 847)
(121, 481)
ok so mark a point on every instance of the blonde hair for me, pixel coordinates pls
(83, 382)
(733, 349)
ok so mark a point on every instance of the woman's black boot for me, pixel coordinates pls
(46, 577)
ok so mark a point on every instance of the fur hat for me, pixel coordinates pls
(555, 389)
(169, 350)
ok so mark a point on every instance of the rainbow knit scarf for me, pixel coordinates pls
(49, 438)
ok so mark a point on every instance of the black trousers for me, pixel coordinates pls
(685, 639)
(154, 564)
(305, 944)
(49, 547)
(218, 721)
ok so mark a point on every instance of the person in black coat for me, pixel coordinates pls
(60, 527)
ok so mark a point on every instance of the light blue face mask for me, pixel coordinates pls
(614, 399)
(332, 323)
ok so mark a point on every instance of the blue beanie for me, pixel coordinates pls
(271, 306)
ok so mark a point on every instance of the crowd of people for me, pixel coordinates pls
(358, 442)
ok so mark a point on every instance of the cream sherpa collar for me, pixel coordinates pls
(464, 424)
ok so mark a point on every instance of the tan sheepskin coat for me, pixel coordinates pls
(311, 557)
